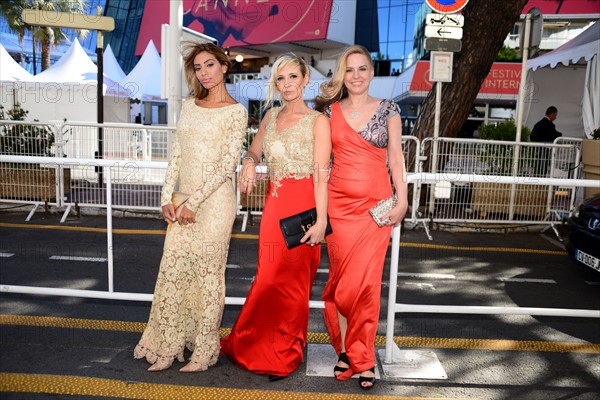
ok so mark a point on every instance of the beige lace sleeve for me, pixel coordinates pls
(172, 174)
(234, 129)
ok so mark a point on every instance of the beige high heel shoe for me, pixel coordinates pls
(194, 367)
(160, 365)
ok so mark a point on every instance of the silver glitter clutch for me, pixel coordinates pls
(383, 207)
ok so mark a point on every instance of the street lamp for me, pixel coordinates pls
(79, 21)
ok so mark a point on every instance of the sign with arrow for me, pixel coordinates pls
(445, 32)
(452, 20)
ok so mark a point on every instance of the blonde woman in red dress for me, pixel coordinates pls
(269, 335)
(366, 136)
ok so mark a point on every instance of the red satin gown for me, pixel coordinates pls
(270, 332)
(357, 246)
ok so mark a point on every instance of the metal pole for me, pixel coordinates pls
(436, 135)
(100, 95)
(109, 232)
(391, 311)
(520, 108)
(175, 62)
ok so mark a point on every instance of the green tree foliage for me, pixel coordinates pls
(24, 140)
(508, 54)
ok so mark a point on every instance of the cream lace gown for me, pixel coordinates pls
(190, 287)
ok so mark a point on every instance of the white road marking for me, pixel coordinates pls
(6, 255)
(426, 275)
(424, 286)
(526, 280)
(69, 258)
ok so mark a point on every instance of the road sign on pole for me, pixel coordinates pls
(80, 21)
(440, 66)
(445, 32)
(446, 6)
(441, 44)
(453, 20)
(67, 20)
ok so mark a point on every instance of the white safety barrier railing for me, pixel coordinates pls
(250, 205)
(82, 185)
(489, 202)
(27, 183)
(108, 166)
(393, 307)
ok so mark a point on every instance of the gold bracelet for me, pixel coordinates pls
(248, 158)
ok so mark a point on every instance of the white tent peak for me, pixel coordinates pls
(112, 69)
(73, 66)
(144, 78)
(585, 45)
(11, 70)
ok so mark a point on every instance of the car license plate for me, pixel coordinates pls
(588, 260)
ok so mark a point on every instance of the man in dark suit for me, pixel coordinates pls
(545, 131)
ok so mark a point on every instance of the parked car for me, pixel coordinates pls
(583, 233)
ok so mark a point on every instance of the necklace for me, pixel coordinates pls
(354, 114)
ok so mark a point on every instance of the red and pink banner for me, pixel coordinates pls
(503, 79)
(241, 22)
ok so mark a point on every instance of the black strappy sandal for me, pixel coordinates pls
(364, 379)
(343, 358)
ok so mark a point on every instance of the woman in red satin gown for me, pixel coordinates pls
(364, 132)
(269, 335)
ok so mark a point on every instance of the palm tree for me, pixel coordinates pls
(47, 36)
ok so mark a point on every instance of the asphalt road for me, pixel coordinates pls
(486, 357)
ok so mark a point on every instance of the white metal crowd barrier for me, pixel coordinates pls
(393, 307)
(249, 205)
(490, 202)
(138, 188)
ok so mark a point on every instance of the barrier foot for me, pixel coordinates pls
(65, 214)
(412, 364)
(245, 221)
(553, 226)
(35, 207)
(427, 232)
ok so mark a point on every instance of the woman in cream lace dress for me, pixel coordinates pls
(190, 288)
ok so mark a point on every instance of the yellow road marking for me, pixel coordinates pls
(479, 248)
(323, 338)
(255, 237)
(76, 385)
(86, 229)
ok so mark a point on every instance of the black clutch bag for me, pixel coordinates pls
(296, 226)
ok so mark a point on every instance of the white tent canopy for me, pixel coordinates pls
(68, 90)
(10, 69)
(144, 80)
(76, 67)
(568, 78)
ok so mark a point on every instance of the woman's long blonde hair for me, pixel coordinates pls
(335, 90)
(190, 50)
(284, 61)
